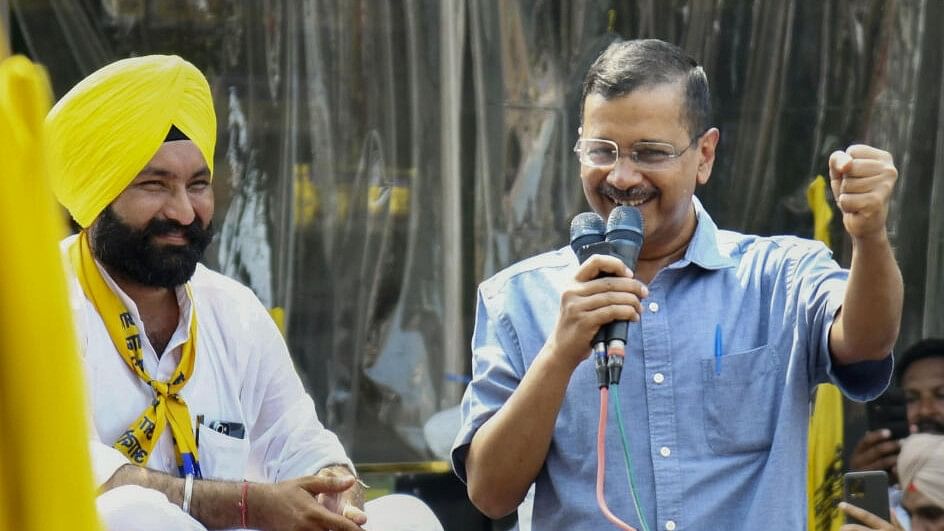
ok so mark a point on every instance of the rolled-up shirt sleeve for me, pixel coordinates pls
(821, 288)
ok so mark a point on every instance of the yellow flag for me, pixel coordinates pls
(824, 464)
(278, 315)
(822, 212)
(45, 472)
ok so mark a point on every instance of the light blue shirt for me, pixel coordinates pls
(711, 451)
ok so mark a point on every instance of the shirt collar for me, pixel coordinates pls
(183, 301)
(703, 250)
(181, 333)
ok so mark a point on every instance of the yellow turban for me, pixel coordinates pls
(921, 462)
(105, 130)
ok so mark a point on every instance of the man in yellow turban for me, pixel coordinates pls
(200, 420)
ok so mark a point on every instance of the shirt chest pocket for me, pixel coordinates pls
(222, 457)
(739, 401)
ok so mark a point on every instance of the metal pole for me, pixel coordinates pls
(452, 33)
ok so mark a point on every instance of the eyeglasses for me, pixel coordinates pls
(600, 153)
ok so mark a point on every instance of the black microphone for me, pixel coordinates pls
(586, 229)
(624, 231)
(587, 238)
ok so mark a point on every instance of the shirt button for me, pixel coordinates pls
(658, 378)
(665, 453)
(670, 525)
(653, 307)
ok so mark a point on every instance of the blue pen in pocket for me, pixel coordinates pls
(719, 350)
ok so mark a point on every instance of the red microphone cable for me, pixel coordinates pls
(601, 464)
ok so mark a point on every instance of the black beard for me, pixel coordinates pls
(132, 254)
(930, 426)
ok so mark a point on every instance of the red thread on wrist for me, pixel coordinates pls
(244, 505)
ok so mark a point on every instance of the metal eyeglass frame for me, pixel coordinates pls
(670, 159)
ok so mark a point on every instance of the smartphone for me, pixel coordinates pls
(889, 412)
(867, 490)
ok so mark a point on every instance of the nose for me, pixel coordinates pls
(923, 408)
(624, 174)
(179, 207)
(927, 407)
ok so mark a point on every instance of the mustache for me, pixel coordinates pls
(930, 426)
(636, 193)
(195, 231)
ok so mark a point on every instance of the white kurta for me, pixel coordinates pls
(243, 374)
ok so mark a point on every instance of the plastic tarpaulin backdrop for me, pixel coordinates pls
(377, 158)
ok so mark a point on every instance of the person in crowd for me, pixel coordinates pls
(199, 418)
(728, 332)
(921, 471)
(920, 374)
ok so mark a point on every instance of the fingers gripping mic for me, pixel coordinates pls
(624, 232)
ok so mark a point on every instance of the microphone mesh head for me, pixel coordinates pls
(586, 224)
(585, 229)
(625, 223)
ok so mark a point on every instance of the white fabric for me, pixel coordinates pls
(400, 512)
(133, 508)
(921, 463)
(440, 430)
(243, 374)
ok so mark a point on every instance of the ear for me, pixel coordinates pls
(706, 154)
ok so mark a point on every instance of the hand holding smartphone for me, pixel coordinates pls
(889, 412)
(887, 424)
(867, 490)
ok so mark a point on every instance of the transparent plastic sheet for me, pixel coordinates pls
(378, 159)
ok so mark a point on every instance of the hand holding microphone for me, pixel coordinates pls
(603, 290)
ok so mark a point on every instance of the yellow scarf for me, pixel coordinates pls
(137, 442)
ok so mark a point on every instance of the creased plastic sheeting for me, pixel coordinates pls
(359, 138)
(374, 118)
